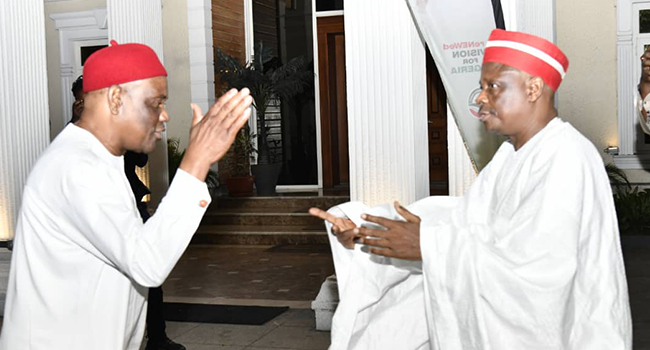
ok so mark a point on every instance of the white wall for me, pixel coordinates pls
(586, 32)
(177, 63)
(54, 58)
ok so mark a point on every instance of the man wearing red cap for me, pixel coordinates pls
(529, 258)
(83, 260)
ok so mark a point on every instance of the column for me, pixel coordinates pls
(141, 21)
(24, 121)
(24, 110)
(535, 17)
(387, 103)
(199, 23)
(627, 81)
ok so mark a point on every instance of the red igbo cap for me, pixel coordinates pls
(529, 53)
(118, 64)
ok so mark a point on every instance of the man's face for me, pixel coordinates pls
(144, 114)
(77, 106)
(645, 66)
(503, 100)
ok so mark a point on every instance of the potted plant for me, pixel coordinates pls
(632, 211)
(239, 180)
(174, 158)
(266, 82)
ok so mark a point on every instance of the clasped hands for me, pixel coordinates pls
(399, 239)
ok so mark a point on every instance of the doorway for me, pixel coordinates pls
(333, 112)
(437, 130)
(333, 103)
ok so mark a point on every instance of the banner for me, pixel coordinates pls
(456, 32)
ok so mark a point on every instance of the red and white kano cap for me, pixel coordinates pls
(529, 53)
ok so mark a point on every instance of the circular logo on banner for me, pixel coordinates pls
(471, 102)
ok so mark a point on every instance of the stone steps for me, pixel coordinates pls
(278, 203)
(259, 218)
(259, 235)
(265, 220)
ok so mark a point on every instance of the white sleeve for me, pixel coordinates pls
(109, 228)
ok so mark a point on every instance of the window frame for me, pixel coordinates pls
(629, 42)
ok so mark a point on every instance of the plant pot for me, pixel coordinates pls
(240, 186)
(266, 177)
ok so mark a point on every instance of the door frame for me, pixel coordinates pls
(319, 148)
(248, 29)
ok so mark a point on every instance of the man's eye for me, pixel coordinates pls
(493, 85)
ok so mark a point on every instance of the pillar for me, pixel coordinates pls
(24, 110)
(199, 20)
(387, 103)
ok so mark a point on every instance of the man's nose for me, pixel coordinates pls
(164, 117)
(481, 98)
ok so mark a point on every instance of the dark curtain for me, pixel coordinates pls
(498, 14)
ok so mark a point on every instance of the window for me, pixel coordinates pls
(644, 21)
(641, 35)
(633, 36)
(329, 5)
(86, 51)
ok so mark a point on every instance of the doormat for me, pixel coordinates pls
(230, 314)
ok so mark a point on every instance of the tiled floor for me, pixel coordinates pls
(251, 275)
(294, 329)
(291, 276)
(309, 267)
(245, 275)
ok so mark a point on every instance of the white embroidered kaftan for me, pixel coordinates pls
(83, 260)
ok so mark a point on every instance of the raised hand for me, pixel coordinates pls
(212, 134)
(400, 239)
(342, 228)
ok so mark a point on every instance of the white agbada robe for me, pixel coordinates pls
(83, 260)
(529, 258)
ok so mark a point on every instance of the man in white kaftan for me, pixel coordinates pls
(529, 258)
(83, 260)
(642, 97)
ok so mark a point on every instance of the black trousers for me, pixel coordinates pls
(155, 318)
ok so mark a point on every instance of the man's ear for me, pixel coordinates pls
(534, 88)
(115, 94)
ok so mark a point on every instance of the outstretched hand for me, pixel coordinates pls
(212, 134)
(342, 228)
(400, 239)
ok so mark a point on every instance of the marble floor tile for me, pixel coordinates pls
(192, 346)
(295, 338)
(176, 329)
(297, 318)
(250, 272)
(225, 334)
